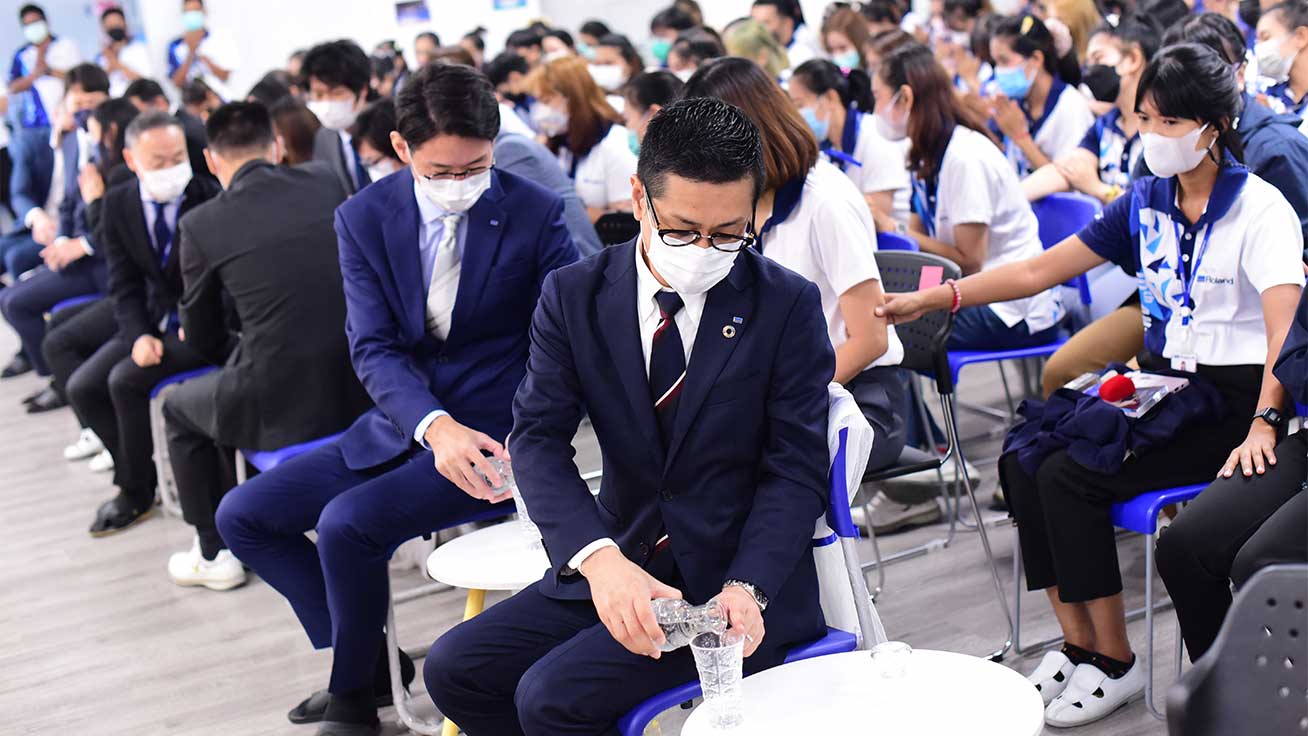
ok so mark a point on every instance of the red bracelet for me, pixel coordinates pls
(958, 296)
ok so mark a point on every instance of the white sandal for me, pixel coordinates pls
(1092, 695)
(1052, 676)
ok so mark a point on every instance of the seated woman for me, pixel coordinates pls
(691, 50)
(844, 38)
(816, 223)
(968, 204)
(645, 95)
(1101, 166)
(1282, 40)
(837, 108)
(1041, 116)
(1217, 250)
(583, 131)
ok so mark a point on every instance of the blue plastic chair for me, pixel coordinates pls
(178, 378)
(895, 241)
(71, 302)
(836, 641)
(1061, 216)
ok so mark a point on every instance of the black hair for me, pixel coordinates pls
(563, 36)
(89, 77)
(339, 64)
(240, 127)
(429, 36)
(447, 99)
(374, 125)
(113, 116)
(1027, 34)
(143, 89)
(821, 76)
(1294, 12)
(595, 29)
(625, 49)
(785, 8)
(671, 17)
(1136, 29)
(881, 11)
(653, 88)
(1167, 12)
(698, 46)
(703, 140)
(269, 90)
(969, 8)
(1192, 82)
(499, 68)
(195, 92)
(1213, 30)
(477, 36)
(113, 10)
(521, 39)
(1250, 11)
(30, 8)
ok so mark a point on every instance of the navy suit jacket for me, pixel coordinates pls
(516, 236)
(744, 477)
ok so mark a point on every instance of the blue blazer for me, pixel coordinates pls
(744, 477)
(516, 235)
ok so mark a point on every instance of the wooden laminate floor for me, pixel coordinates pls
(96, 641)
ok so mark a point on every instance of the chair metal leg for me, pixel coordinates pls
(240, 468)
(876, 554)
(1149, 624)
(400, 696)
(871, 632)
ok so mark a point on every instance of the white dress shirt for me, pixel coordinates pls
(648, 317)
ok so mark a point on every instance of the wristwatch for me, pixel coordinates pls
(758, 596)
(1271, 416)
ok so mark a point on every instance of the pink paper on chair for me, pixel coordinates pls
(931, 276)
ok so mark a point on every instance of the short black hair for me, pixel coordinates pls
(562, 35)
(374, 125)
(478, 38)
(700, 139)
(594, 28)
(114, 117)
(647, 89)
(195, 92)
(429, 36)
(30, 8)
(113, 10)
(272, 88)
(499, 68)
(1194, 82)
(240, 127)
(1213, 30)
(671, 17)
(1167, 12)
(785, 8)
(339, 64)
(447, 99)
(143, 89)
(89, 77)
(522, 39)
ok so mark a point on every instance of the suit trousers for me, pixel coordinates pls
(73, 336)
(338, 587)
(111, 394)
(1236, 527)
(24, 304)
(204, 470)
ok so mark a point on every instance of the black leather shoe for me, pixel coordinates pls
(118, 514)
(17, 367)
(336, 728)
(313, 708)
(47, 399)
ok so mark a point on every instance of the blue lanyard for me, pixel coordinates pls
(924, 204)
(1187, 279)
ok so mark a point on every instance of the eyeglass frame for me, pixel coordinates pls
(458, 175)
(744, 241)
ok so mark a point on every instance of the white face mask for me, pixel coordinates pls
(1167, 157)
(165, 185)
(1271, 63)
(688, 269)
(382, 169)
(608, 76)
(889, 129)
(549, 120)
(334, 114)
(557, 54)
(455, 195)
(685, 74)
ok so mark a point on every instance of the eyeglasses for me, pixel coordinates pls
(444, 175)
(724, 242)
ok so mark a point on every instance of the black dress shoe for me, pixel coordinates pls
(313, 708)
(47, 399)
(17, 367)
(118, 514)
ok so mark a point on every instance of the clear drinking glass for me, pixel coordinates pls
(530, 532)
(681, 621)
(890, 659)
(720, 659)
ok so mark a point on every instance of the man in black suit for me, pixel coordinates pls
(148, 96)
(138, 233)
(268, 243)
(339, 75)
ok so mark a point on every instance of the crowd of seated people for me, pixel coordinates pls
(409, 251)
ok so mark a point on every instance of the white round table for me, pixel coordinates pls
(940, 694)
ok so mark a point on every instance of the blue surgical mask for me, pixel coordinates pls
(585, 51)
(192, 20)
(633, 143)
(1013, 82)
(660, 47)
(847, 60)
(820, 128)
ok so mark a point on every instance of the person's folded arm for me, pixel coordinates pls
(792, 489)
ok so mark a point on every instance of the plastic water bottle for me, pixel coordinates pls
(530, 532)
(682, 622)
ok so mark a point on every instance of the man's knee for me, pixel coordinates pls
(237, 517)
(126, 382)
(541, 709)
(86, 387)
(449, 673)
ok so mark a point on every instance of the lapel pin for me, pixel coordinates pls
(728, 332)
(738, 320)
(495, 223)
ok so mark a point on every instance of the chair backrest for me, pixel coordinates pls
(616, 228)
(1060, 216)
(1254, 679)
(895, 241)
(923, 339)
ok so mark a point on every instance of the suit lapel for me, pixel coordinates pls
(728, 305)
(487, 220)
(617, 314)
(400, 233)
(139, 234)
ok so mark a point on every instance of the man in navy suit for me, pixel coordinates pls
(442, 266)
(704, 369)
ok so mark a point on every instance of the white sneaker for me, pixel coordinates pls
(929, 477)
(890, 516)
(1092, 695)
(191, 569)
(87, 445)
(103, 462)
(1052, 676)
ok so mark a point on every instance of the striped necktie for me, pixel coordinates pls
(667, 363)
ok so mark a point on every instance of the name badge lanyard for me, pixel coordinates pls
(924, 204)
(1187, 279)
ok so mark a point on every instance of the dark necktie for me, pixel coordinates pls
(163, 235)
(358, 173)
(667, 363)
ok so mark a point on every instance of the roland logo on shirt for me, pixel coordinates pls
(1216, 280)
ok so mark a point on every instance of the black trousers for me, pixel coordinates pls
(112, 395)
(72, 336)
(880, 393)
(204, 470)
(1235, 528)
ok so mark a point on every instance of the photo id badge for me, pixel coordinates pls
(1186, 363)
(1185, 360)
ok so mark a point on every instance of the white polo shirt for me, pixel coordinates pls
(1254, 243)
(603, 175)
(1060, 130)
(41, 102)
(214, 47)
(825, 234)
(977, 185)
(135, 56)
(882, 164)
